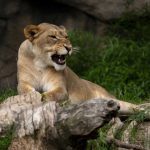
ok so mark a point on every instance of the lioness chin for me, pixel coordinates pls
(42, 67)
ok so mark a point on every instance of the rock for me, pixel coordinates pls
(1, 64)
(2, 26)
(107, 9)
(7, 67)
(8, 81)
(8, 8)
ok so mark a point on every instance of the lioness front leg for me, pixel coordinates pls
(58, 94)
(25, 87)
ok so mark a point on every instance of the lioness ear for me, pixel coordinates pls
(62, 27)
(31, 31)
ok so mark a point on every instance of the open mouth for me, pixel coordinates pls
(59, 59)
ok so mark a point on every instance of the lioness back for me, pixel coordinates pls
(80, 89)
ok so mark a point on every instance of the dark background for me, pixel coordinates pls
(88, 15)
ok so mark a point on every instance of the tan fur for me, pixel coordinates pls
(37, 72)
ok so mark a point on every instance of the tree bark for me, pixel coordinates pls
(47, 126)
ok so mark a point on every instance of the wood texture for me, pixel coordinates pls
(44, 126)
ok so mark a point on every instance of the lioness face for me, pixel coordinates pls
(50, 44)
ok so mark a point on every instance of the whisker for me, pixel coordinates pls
(75, 49)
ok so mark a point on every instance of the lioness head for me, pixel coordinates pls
(50, 44)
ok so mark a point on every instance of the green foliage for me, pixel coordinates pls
(123, 69)
(138, 116)
(100, 143)
(6, 140)
(118, 61)
(6, 93)
(133, 134)
(132, 27)
(89, 48)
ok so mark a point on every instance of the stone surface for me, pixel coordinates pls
(108, 9)
(2, 26)
(9, 8)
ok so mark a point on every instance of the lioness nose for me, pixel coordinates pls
(68, 47)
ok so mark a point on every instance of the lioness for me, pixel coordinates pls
(42, 67)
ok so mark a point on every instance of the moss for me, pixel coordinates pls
(6, 140)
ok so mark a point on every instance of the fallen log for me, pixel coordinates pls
(47, 126)
(140, 124)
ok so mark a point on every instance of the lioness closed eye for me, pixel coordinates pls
(42, 67)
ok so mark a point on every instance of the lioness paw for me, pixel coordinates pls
(47, 97)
